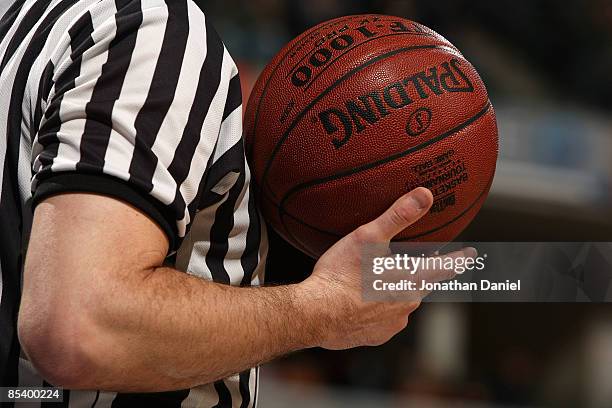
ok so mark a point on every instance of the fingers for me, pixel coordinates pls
(437, 272)
(426, 270)
(404, 212)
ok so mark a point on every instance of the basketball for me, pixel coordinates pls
(357, 111)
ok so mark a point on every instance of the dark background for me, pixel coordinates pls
(548, 68)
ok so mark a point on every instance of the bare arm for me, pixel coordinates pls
(103, 309)
(98, 310)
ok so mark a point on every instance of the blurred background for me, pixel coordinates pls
(548, 67)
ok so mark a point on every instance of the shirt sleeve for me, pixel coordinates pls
(227, 242)
(133, 109)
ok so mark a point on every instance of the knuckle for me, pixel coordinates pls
(400, 324)
(400, 215)
(379, 340)
(363, 234)
(397, 327)
(412, 306)
(418, 275)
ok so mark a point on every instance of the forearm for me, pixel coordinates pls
(178, 331)
(98, 312)
(164, 330)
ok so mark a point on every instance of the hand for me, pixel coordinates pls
(335, 284)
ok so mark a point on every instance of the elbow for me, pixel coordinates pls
(59, 347)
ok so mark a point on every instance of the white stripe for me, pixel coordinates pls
(6, 86)
(105, 400)
(200, 230)
(253, 373)
(237, 238)
(60, 41)
(24, 9)
(226, 183)
(4, 7)
(255, 392)
(80, 399)
(233, 385)
(136, 84)
(230, 133)
(171, 130)
(103, 21)
(72, 108)
(208, 138)
(201, 397)
(260, 271)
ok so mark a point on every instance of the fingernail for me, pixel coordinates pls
(420, 198)
(470, 252)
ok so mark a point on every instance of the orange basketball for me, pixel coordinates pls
(359, 110)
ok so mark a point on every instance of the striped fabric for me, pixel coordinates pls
(139, 100)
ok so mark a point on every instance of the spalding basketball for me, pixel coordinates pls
(357, 111)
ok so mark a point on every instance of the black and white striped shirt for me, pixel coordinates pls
(139, 100)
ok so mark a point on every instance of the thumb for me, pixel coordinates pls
(407, 210)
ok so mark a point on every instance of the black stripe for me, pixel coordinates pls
(231, 160)
(204, 197)
(80, 37)
(10, 263)
(161, 94)
(225, 398)
(80, 40)
(206, 200)
(11, 211)
(245, 392)
(330, 88)
(234, 96)
(250, 257)
(30, 19)
(224, 217)
(168, 399)
(9, 18)
(95, 401)
(45, 84)
(98, 125)
(208, 83)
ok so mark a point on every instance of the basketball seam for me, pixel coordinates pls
(336, 235)
(335, 84)
(368, 166)
(278, 65)
(331, 62)
(339, 20)
(462, 126)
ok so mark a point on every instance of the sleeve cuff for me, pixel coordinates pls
(108, 186)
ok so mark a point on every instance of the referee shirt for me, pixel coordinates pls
(139, 100)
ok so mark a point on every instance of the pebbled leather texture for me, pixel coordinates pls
(359, 110)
